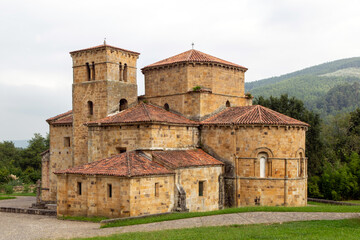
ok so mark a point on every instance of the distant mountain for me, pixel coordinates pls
(327, 88)
(20, 143)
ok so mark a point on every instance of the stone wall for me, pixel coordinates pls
(130, 197)
(240, 147)
(198, 105)
(174, 86)
(189, 179)
(60, 159)
(104, 141)
(107, 64)
(104, 89)
(143, 200)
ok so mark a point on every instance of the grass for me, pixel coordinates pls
(353, 201)
(325, 229)
(83, 219)
(315, 207)
(19, 194)
(6, 197)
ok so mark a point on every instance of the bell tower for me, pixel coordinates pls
(104, 81)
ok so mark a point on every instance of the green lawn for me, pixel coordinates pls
(314, 207)
(336, 229)
(353, 201)
(6, 197)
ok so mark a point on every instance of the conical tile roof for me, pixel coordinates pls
(251, 115)
(192, 56)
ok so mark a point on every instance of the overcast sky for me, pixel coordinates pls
(269, 37)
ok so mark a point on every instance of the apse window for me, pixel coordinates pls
(201, 188)
(157, 188)
(66, 141)
(110, 190)
(79, 190)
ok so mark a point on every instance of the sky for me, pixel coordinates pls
(268, 37)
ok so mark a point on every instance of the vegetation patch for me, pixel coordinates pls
(83, 219)
(325, 229)
(313, 207)
(6, 197)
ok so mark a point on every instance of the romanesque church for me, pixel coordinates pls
(193, 142)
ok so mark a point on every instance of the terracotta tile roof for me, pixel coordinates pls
(105, 45)
(61, 119)
(251, 115)
(185, 158)
(144, 113)
(192, 56)
(129, 164)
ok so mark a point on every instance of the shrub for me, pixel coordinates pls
(9, 189)
(196, 88)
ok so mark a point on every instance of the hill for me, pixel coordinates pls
(327, 88)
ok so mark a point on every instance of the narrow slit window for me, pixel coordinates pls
(262, 166)
(93, 71)
(66, 141)
(228, 104)
(79, 190)
(90, 108)
(110, 190)
(157, 189)
(166, 107)
(125, 72)
(88, 72)
(201, 188)
(120, 72)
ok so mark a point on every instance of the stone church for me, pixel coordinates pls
(193, 142)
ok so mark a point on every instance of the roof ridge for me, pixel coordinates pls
(189, 56)
(245, 113)
(275, 113)
(128, 164)
(259, 111)
(146, 111)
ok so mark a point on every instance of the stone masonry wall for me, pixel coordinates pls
(104, 141)
(143, 200)
(174, 86)
(60, 158)
(130, 197)
(198, 105)
(285, 170)
(105, 89)
(189, 179)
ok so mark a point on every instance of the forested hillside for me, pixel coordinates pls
(328, 88)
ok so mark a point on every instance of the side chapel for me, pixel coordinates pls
(193, 142)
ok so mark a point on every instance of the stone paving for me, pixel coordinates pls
(24, 226)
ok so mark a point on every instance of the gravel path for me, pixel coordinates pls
(23, 226)
(19, 202)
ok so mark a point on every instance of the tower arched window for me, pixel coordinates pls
(120, 72)
(300, 164)
(90, 108)
(123, 104)
(166, 107)
(228, 104)
(125, 73)
(88, 72)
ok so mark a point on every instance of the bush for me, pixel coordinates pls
(9, 189)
